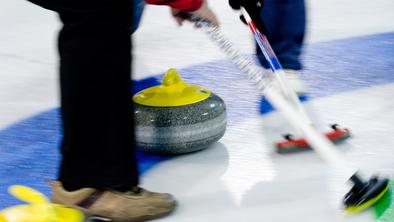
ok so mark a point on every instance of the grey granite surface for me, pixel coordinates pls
(183, 129)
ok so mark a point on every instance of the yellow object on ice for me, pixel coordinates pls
(40, 209)
(28, 194)
(172, 92)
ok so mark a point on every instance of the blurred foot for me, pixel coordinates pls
(293, 77)
(137, 204)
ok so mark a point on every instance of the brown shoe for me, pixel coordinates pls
(135, 205)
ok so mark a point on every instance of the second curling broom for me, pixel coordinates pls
(363, 194)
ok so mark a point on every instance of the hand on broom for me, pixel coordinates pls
(253, 7)
(203, 12)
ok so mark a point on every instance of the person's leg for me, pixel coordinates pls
(98, 172)
(285, 22)
(95, 67)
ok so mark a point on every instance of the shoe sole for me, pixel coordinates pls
(89, 217)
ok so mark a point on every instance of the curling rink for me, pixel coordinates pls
(349, 67)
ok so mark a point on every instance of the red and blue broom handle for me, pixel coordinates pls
(263, 43)
(275, 65)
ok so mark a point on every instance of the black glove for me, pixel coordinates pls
(253, 7)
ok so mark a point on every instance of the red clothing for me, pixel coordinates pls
(184, 5)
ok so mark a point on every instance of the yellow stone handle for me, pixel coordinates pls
(172, 92)
(172, 82)
(172, 78)
(34, 197)
(28, 194)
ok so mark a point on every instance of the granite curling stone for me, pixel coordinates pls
(178, 118)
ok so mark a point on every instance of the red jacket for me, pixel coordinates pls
(184, 5)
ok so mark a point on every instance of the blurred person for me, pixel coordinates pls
(98, 171)
(283, 23)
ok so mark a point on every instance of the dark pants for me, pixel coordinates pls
(95, 66)
(285, 22)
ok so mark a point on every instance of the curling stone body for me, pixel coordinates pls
(178, 118)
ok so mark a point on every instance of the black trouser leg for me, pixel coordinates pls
(95, 67)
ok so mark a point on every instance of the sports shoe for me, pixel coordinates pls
(137, 204)
(294, 80)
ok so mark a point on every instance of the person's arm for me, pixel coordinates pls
(180, 7)
(183, 5)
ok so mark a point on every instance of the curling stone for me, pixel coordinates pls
(39, 208)
(177, 118)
